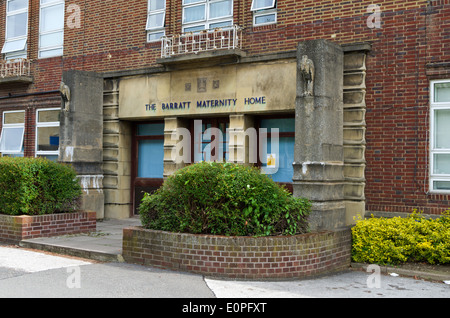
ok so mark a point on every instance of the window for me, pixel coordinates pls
(440, 136)
(277, 163)
(201, 15)
(150, 138)
(51, 28)
(155, 20)
(264, 12)
(47, 133)
(11, 139)
(16, 29)
(210, 140)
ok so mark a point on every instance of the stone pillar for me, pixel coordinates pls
(318, 156)
(354, 130)
(176, 132)
(81, 134)
(242, 140)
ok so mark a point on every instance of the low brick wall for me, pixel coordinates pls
(265, 258)
(13, 229)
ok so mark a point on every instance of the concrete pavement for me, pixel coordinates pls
(106, 243)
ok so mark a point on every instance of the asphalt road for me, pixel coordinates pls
(32, 274)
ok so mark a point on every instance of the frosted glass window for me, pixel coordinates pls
(442, 92)
(206, 14)
(220, 9)
(442, 185)
(51, 28)
(442, 129)
(16, 25)
(262, 4)
(155, 5)
(442, 164)
(194, 14)
(14, 5)
(11, 139)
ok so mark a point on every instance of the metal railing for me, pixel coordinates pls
(16, 67)
(207, 40)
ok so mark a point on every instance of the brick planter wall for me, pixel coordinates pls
(13, 229)
(240, 257)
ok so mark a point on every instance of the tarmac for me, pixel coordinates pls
(105, 245)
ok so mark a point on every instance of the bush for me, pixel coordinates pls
(398, 240)
(37, 186)
(223, 199)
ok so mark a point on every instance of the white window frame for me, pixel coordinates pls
(206, 23)
(15, 47)
(44, 153)
(9, 126)
(152, 31)
(58, 49)
(264, 11)
(433, 151)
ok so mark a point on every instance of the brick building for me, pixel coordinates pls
(371, 137)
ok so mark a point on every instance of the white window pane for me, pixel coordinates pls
(50, 1)
(155, 20)
(441, 164)
(47, 138)
(220, 9)
(155, 36)
(442, 92)
(220, 25)
(51, 40)
(195, 28)
(14, 46)
(192, 1)
(442, 129)
(14, 5)
(263, 4)
(441, 185)
(11, 139)
(52, 18)
(48, 116)
(265, 19)
(157, 5)
(16, 25)
(50, 53)
(14, 118)
(192, 14)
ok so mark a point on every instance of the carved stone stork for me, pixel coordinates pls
(65, 94)
(307, 70)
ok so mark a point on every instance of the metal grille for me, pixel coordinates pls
(206, 40)
(16, 67)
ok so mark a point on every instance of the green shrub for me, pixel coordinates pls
(398, 240)
(37, 186)
(223, 199)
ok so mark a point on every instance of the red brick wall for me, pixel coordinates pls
(13, 229)
(240, 257)
(413, 34)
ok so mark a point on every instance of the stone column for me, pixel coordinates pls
(318, 166)
(81, 134)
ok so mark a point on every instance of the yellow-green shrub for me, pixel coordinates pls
(398, 240)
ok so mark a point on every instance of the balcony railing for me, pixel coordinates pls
(15, 68)
(206, 40)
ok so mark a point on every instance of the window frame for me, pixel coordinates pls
(22, 53)
(434, 106)
(207, 21)
(157, 29)
(49, 124)
(263, 11)
(6, 126)
(60, 48)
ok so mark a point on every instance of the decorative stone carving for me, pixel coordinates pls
(307, 70)
(65, 94)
